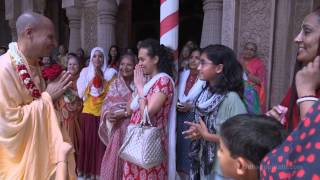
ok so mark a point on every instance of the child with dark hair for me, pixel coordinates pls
(245, 140)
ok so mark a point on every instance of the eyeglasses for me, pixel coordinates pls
(204, 62)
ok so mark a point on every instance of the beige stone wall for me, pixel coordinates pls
(254, 26)
(229, 23)
(272, 25)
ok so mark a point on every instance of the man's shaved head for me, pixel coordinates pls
(36, 36)
(30, 19)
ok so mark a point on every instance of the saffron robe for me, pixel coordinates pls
(30, 135)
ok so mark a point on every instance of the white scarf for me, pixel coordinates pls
(194, 91)
(134, 103)
(88, 73)
(172, 122)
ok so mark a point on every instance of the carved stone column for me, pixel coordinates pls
(74, 16)
(212, 22)
(229, 22)
(107, 12)
(89, 25)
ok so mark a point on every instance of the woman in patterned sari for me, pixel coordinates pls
(255, 71)
(115, 118)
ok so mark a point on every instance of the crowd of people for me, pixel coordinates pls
(86, 117)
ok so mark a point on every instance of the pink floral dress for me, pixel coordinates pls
(160, 119)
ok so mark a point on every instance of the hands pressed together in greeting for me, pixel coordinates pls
(139, 79)
(58, 86)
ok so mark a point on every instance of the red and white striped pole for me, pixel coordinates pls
(169, 29)
(169, 23)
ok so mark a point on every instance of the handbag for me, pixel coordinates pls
(142, 144)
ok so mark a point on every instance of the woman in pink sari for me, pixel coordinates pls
(115, 118)
(255, 71)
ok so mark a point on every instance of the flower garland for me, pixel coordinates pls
(23, 70)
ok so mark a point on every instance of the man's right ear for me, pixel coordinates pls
(28, 31)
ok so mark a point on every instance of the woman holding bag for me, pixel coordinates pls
(157, 96)
(115, 118)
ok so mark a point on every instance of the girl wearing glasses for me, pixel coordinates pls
(219, 100)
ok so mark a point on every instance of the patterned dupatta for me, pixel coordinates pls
(117, 97)
(207, 106)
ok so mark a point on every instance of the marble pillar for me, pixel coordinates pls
(107, 12)
(212, 22)
(89, 25)
(74, 16)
